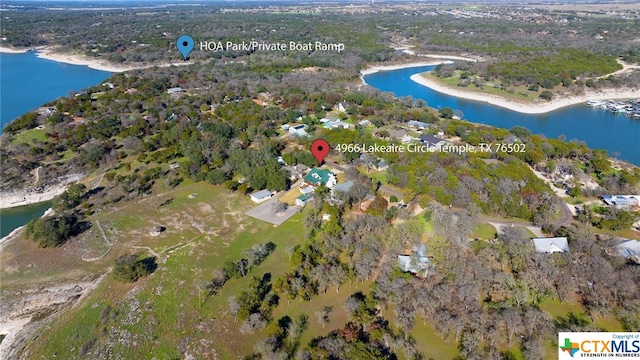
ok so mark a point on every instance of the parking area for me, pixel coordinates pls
(265, 212)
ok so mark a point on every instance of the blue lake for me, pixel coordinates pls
(26, 82)
(599, 129)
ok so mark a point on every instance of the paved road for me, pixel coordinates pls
(566, 216)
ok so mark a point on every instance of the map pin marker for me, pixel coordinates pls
(185, 44)
(320, 148)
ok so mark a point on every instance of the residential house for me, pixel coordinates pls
(175, 91)
(418, 124)
(397, 134)
(317, 177)
(299, 130)
(304, 199)
(296, 172)
(415, 261)
(407, 139)
(511, 139)
(261, 196)
(625, 202)
(629, 248)
(432, 141)
(336, 124)
(342, 188)
(551, 245)
(46, 111)
(382, 165)
(372, 162)
(341, 106)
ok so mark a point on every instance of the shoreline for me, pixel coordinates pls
(14, 200)
(372, 69)
(541, 107)
(4, 241)
(7, 50)
(49, 53)
(532, 108)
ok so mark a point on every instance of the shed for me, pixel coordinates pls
(261, 196)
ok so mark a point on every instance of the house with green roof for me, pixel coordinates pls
(315, 177)
(303, 199)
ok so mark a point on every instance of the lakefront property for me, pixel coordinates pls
(203, 222)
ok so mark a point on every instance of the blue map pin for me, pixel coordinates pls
(185, 44)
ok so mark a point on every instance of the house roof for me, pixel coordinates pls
(262, 194)
(344, 187)
(430, 140)
(621, 200)
(318, 176)
(551, 245)
(305, 197)
(397, 133)
(416, 261)
(175, 90)
(629, 248)
(418, 123)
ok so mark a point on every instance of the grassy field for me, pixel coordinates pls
(30, 136)
(159, 313)
(430, 344)
(520, 93)
(557, 309)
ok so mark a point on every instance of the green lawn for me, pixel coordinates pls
(484, 231)
(430, 344)
(380, 176)
(30, 136)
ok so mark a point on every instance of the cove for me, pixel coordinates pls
(599, 129)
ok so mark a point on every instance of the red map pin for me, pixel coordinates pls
(320, 148)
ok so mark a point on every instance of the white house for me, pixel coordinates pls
(418, 124)
(341, 106)
(316, 177)
(629, 248)
(261, 196)
(298, 130)
(551, 245)
(432, 141)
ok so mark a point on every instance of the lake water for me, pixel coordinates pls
(12, 218)
(27, 82)
(599, 129)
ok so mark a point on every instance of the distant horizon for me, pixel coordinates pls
(442, 3)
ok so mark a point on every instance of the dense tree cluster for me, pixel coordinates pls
(51, 231)
(131, 267)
